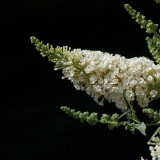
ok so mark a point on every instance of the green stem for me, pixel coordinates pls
(124, 114)
(152, 124)
(137, 121)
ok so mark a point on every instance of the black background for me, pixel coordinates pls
(33, 127)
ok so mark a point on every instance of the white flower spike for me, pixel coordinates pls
(105, 76)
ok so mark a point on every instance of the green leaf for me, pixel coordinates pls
(142, 128)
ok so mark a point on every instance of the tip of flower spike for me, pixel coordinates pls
(126, 5)
(32, 39)
(63, 108)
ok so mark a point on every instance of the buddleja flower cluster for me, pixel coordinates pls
(106, 76)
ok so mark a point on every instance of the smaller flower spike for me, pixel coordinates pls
(141, 19)
(151, 28)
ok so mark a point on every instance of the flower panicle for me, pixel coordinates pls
(105, 76)
(112, 121)
(151, 28)
(141, 19)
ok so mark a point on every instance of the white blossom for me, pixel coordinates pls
(107, 76)
(153, 93)
(155, 152)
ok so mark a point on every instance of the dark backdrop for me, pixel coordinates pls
(33, 127)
